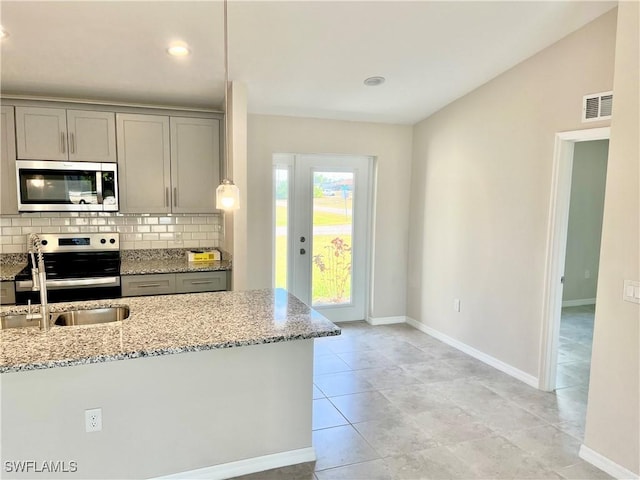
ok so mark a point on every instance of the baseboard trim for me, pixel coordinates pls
(386, 320)
(483, 357)
(605, 464)
(247, 466)
(579, 302)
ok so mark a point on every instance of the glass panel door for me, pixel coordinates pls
(332, 267)
(281, 227)
(329, 243)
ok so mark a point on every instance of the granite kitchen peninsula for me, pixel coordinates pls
(214, 384)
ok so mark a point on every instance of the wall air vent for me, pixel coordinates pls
(597, 106)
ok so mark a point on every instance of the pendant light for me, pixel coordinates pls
(227, 193)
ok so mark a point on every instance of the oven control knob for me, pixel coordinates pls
(103, 241)
(112, 241)
(44, 242)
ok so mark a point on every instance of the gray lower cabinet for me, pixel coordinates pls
(201, 282)
(137, 285)
(7, 293)
(167, 283)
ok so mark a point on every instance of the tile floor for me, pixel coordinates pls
(574, 354)
(391, 402)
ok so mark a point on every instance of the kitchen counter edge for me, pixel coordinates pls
(306, 323)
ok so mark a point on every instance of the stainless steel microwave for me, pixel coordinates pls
(67, 186)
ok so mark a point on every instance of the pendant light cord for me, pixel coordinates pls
(226, 99)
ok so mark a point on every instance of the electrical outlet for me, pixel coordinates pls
(456, 304)
(93, 420)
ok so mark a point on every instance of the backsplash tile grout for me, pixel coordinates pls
(136, 231)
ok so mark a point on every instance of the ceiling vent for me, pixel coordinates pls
(597, 106)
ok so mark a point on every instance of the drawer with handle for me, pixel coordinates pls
(201, 282)
(157, 284)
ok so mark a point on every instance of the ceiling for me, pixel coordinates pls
(300, 58)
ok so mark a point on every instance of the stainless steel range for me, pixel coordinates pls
(79, 266)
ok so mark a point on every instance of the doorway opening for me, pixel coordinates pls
(322, 231)
(573, 248)
(582, 258)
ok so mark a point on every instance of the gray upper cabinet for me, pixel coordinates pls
(41, 133)
(144, 163)
(92, 136)
(8, 193)
(168, 164)
(44, 133)
(195, 164)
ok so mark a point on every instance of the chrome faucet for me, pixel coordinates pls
(39, 277)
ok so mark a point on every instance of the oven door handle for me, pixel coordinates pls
(78, 282)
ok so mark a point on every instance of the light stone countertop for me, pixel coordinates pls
(163, 325)
(171, 265)
(9, 271)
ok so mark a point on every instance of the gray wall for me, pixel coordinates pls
(613, 414)
(161, 415)
(480, 193)
(585, 222)
(389, 144)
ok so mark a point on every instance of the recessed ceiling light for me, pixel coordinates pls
(374, 81)
(3, 33)
(178, 49)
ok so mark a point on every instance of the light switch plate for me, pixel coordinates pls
(631, 291)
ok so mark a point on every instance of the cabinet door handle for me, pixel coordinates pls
(62, 142)
(73, 143)
(147, 285)
(166, 197)
(201, 282)
(175, 196)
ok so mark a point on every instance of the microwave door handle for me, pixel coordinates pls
(99, 187)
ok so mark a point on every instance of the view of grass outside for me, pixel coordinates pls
(331, 255)
(281, 244)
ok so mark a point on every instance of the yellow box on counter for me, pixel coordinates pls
(203, 256)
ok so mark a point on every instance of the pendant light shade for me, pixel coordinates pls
(227, 193)
(227, 196)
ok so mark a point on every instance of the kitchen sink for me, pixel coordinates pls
(17, 320)
(72, 317)
(91, 316)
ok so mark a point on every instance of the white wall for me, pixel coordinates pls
(613, 415)
(585, 221)
(390, 144)
(480, 194)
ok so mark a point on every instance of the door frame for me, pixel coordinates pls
(557, 246)
(287, 160)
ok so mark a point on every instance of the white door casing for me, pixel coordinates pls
(301, 253)
(556, 248)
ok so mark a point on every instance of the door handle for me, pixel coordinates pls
(73, 143)
(175, 196)
(302, 251)
(62, 142)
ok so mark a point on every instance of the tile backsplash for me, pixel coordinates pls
(136, 231)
